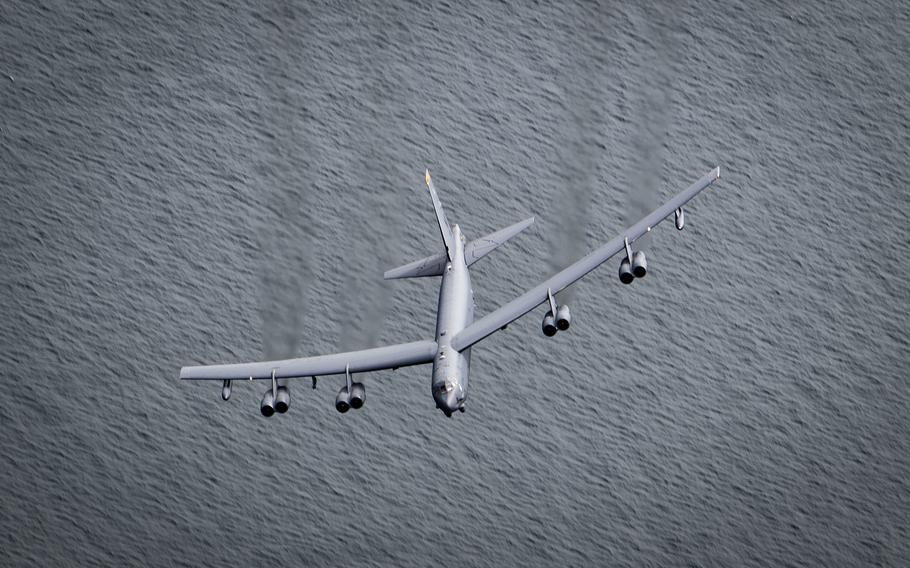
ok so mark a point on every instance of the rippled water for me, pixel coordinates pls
(200, 182)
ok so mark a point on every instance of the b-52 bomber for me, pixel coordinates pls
(456, 329)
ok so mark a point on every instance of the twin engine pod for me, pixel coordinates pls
(279, 402)
(637, 268)
(354, 398)
(560, 322)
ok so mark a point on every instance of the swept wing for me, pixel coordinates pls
(388, 357)
(523, 304)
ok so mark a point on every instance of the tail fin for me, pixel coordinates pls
(444, 227)
(475, 250)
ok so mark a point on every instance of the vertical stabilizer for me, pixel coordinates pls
(444, 227)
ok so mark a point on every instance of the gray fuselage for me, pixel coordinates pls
(456, 311)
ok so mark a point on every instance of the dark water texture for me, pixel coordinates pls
(195, 182)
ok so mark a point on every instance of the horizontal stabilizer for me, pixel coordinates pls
(477, 249)
(429, 266)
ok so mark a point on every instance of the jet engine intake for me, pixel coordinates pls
(282, 400)
(625, 271)
(563, 318)
(226, 389)
(639, 265)
(358, 395)
(343, 400)
(268, 403)
(549, 324)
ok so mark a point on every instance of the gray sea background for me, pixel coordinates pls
(202, 182)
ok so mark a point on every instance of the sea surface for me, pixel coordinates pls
(193, 182)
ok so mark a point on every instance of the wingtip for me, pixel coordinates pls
(427, 176)
(717, 172)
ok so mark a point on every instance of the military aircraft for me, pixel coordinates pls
(456, 329)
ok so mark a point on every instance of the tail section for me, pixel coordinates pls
(475, 250)
(444, 226)
(435, 265)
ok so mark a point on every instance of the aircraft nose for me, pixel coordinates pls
(448, 403)
(451, 402)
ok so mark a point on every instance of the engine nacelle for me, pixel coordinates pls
(358, 395)
(226, 389)
(639, 265)
(563, 318)
(625, 271)
(343, 400)
(268, 404)
(282, 400)
(549, 324)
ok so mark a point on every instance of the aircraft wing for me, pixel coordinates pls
(388, 357)
(523, 304)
